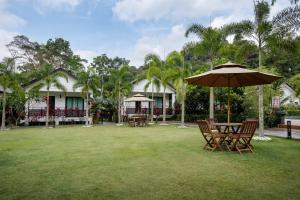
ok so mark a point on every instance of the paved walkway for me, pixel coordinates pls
(279, 132)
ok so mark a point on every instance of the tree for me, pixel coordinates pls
(164, 74)
(32, 55)
(149, 74)
(48, 77)
(87, 81)
(294, 81)
(120, 83)
(102, 66)
(177, 60)
(211, 42)
(262, 30)
(8, 83)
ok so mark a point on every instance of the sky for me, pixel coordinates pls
(124, 28)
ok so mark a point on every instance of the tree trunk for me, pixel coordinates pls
(211, 97)
(152, 104)
(3, 109)
(182, 112)
(260, 99)
(47, 110)
(87, 110)
(164, 106)
(119, 106)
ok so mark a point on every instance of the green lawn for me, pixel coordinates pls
(158, 162)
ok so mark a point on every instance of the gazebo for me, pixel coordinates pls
(139, 99)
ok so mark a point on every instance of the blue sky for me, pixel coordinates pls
(125, 28)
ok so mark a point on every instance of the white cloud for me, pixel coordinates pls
(57, 3)
(134, 10)
(5, 38)
(158, 44)
(87, 54)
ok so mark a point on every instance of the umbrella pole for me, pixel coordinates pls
(228, 101)
(228, 106)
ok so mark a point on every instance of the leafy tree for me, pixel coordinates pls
(212, 40)
(48, 77)
(295, 83)
(8, 84)
(87, 81)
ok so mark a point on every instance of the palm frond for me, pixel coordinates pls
(197, 29)
(287, 20)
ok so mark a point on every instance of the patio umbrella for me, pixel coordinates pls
(138, 97)
(231, 75)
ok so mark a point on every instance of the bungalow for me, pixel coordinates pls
(288, 95)
(64, 106)
(145, 107)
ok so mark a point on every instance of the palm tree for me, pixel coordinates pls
(149, 74)
(262, 30)
(49, 77)
(87, 81)
(8, 82)
(164, 74)
(120, 80)
(176, 59)
(211, 42)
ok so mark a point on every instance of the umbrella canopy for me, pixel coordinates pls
(138, 97)
(231, 75)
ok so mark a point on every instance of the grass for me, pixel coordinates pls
(157, 162)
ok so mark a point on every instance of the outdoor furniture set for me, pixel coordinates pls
(137, 121)
(231, 136)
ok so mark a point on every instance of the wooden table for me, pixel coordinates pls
(139, 120)
(233, 126)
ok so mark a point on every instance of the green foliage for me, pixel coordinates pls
(295, 83)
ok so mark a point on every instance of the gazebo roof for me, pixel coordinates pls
(138, 97)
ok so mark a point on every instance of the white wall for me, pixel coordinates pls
(288, 92)
(138, 87)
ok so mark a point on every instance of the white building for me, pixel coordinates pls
(288, 95)
(64, 106)
(145, 107)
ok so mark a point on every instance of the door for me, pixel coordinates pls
(51, 105)
(138, 107)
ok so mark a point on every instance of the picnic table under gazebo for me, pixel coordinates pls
(139, 118)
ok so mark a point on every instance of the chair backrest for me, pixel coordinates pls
(249, 127)
(212, 122)
(204, 126)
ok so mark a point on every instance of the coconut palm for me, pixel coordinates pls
(262, 30)
(164, 74)
(211, 42)
(149, 75)
(8, 83)
(177, 60)
(49, 77)
(87, 81)
(120, 80)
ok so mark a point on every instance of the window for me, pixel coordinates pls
(158, 102)
(74, 103)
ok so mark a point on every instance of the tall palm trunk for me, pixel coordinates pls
(211, 97)
(119, 105)
(87, 110)
(152, 103)
(260, 98)
(3, 109)
(164, 106)
(182, 111)
(47, 110)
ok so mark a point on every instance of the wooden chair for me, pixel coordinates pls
(241, 141)
(213, 139)
(212, 122)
